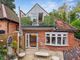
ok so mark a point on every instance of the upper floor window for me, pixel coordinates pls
(40, 17)
(57, 38)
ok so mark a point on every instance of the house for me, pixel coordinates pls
(59, 37)
(37, 14)
(22, 14)
(8, 20)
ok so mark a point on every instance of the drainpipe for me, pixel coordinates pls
(7, 27)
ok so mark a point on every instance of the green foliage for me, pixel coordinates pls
(62, 11)
(54, 14)
(25, 21)
(77, 8)
(14, 44)
(65, 14)
(76, 23)
(8, 3)
(48, 21)
(72, 16)
(77, 35)
(1, 57)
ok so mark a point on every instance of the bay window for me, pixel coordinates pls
(56, 38)
(48, 39)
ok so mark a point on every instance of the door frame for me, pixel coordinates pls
(27, 40)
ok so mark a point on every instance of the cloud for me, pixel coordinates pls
(49, 6)
(69, 0)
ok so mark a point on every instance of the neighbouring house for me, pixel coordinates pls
(8, 20)
(22, 14)
(37, 14)
(58, 37)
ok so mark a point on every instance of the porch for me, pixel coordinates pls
(30, 54)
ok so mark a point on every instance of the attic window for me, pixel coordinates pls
(40, 17)
(56, 38)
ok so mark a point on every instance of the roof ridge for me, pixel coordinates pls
(39, 6)
(4, 11)
(22, 14)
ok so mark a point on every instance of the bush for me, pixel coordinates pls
(48, 21)
(77, 35)
(14, 44)
(25, 21)
(76, 24)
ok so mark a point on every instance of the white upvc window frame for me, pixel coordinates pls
(56, 35)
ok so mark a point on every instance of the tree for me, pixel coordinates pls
(48, 21)
(74, 14)
(26, 21)
(63, 12)
(76, 24)
(8, 3)
(54, 14)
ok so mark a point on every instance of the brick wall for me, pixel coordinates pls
(12, 27)
(41, 41)
(3, 26)
(7, 26)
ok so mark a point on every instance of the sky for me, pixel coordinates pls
(48, 5)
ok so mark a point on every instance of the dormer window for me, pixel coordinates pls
(40, 17)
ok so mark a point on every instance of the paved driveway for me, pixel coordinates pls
(31, 51)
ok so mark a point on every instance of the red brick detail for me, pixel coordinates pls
(41, 41)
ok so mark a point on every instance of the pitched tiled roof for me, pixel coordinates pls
(1, 14)
(73, 54)
(37, 5)
(22, 14)
(59, 26)
(63, 26)
(7, 13)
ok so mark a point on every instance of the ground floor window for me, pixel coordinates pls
(57, 38)
(2, 32)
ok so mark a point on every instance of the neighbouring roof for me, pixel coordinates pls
(35, 6)
(63, 26)
(72, 54)
(37, 28)
(59, 26)
(22, 14)
(7, 13)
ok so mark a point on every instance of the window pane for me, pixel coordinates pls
(58, 40)
(64, 34)
(53, 40)
(59, 34)
(53, 34)
(47, 34)
(64, 40)
(48, 40)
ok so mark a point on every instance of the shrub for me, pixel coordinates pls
(14, 44)
(76, 24)
(48, 21)
(77, 35)
(26, 21)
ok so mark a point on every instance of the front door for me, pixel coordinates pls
(32, 40)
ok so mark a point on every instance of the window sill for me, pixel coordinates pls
(56, 45)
